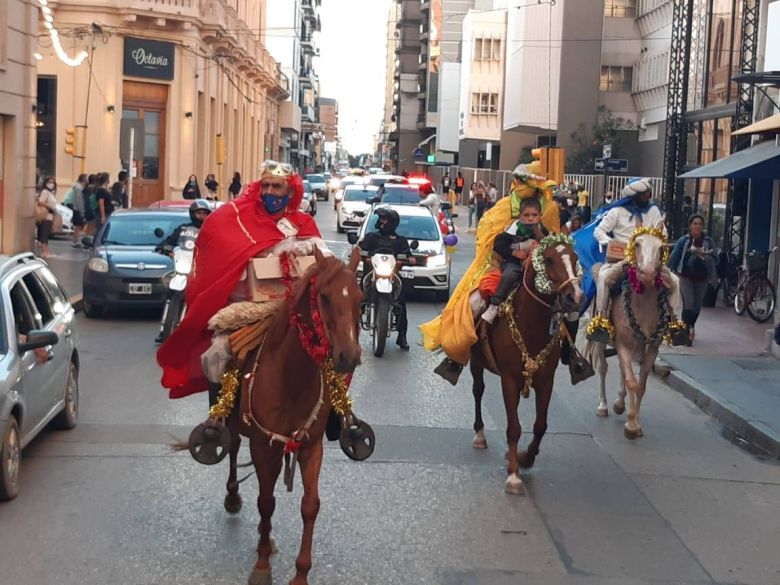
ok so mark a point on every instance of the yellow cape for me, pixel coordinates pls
(453, 330)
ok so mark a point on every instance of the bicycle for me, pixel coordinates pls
(755, 292)
(731, 274)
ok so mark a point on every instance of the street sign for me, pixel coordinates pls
(606, 151)
(611, 165)
(418, 153)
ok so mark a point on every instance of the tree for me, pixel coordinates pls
(588, 144)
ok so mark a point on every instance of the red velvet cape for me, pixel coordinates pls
(230, 236)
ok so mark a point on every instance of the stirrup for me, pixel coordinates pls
(599, 335)
(680, 336)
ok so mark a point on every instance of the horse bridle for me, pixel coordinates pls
(557, 292)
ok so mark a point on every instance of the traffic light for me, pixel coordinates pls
(552, 160)
(71, 141)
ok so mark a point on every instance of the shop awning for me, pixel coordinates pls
(770, 124)
(761, 161)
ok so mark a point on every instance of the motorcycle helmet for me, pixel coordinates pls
(199, 205)
(383, 213)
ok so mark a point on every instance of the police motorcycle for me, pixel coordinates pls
(382, 289)
(182, 252)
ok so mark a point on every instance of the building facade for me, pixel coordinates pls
(18, 43)
(191, 81)
(329, 118)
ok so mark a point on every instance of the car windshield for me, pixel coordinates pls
(402, 195)
(315, 178)
(358, 194)
(138, 229)
(413, 227)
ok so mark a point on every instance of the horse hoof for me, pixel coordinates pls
(632, 434)
(233, 504)
(261, 577)
(514, 485)
(602, 411)
(618, 408)
(479, 442)
(525, 460)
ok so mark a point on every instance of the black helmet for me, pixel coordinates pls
(199, 205)
(392, 220)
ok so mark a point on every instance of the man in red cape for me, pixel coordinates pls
(232, 235)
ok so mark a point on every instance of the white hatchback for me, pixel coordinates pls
(353, 208)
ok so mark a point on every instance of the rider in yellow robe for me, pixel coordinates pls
(454, 330)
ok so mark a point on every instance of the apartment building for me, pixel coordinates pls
(192, 78)
(329, 118)
(18, 43)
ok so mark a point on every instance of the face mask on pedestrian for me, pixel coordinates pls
(570, 202)
(274, 204)
(50, 186)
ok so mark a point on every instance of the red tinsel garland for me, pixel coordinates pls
(320, 350)
(636, 284)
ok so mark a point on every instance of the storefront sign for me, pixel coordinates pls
(150, 59)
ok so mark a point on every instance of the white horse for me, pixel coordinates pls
(640, 315)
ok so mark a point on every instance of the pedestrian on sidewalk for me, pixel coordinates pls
(211, 187)
(459, 183)
(74, 200)
(119, 195)
(693, 261)
(103, 198)
(472, 203)
(191, 189)
(46, 207)
(235, 185)
(481, 197)
(492, 198)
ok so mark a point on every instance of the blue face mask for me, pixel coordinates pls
(274, 204)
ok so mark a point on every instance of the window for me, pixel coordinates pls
(46, 126)
(61, 301)
(24, 312)
(616, 78)
(41, 298)
(484, 103)
(487, 49)
(620, 8)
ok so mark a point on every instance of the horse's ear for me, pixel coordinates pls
(318, 257)
(354, 260)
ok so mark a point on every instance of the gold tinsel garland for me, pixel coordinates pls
(641, 231)
(600, 321)
(671, 328)
(227, 394)
(530, 365)
(338, 391)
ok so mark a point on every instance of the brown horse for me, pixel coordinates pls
(533, 317)
(283, 397)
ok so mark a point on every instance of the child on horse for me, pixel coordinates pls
(514, 245)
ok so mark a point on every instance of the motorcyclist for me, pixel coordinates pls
(386, 238)
(199, 211)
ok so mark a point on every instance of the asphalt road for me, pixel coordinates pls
(109, 503)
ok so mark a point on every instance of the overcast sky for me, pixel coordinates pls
(351, 66)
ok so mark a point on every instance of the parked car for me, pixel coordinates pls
(181, 204)
(124, 271)
(353, 208)
(433, 269)
(309, 201)
(39, 360)
(319, 185)
(67, 219)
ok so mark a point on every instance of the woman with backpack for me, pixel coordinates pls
(45, 210)
(693, 261)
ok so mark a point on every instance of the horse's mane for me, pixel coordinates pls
(324, 270)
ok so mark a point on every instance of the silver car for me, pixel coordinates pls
(39, 360)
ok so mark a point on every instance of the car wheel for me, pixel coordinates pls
(327, 196)
(339, 229)
(69, 416)
(92, 311)
(10, 460)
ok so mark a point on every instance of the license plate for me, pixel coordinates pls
(139, 288)
(407, 273)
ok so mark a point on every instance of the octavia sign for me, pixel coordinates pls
(146, 58)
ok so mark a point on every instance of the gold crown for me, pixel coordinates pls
(271, 168)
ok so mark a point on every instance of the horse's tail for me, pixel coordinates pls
(179, 445)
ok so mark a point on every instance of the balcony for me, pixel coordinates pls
(308, 114)
(307, 44)
(290, 116)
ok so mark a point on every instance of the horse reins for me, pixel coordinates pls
(534, 296)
